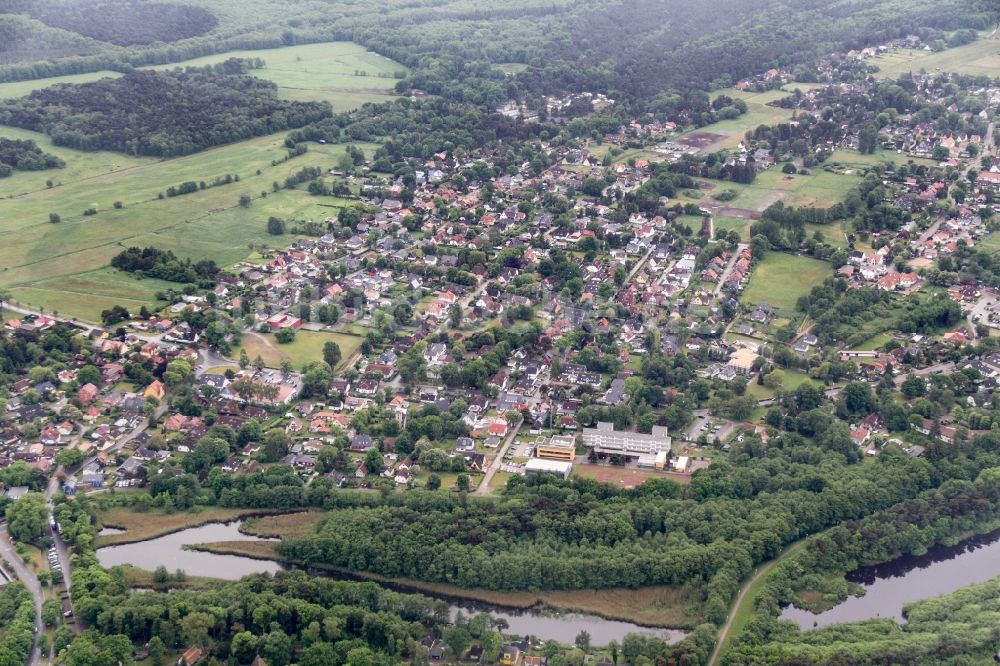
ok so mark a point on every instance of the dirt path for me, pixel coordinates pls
(720, 640)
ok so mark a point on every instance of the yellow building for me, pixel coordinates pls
(558, 447)
(511, 656)
(155, 390)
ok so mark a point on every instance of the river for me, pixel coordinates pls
(891, 585)
(169, 551)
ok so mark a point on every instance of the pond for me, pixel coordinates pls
(891, 585)
(169, 551)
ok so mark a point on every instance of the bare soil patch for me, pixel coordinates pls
(700, 139)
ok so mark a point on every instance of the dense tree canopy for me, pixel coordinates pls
(161, 113)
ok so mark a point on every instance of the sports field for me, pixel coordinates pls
(820, 189)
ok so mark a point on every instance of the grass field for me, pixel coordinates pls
(819, 189)
(343, 73)
(981, 57)
(733, 224)
(22, 88)
(790, 381)
(47, 265)
(875, 342)
(856, 160)
(43, 262)
(758, 113)
(84, 296)
(991, 243)
(307, 347)
(780, 279)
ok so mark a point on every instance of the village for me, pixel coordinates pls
(476, 320)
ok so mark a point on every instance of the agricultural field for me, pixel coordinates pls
(981, 57)
(780, 279)
(48, 265)
(41, 260)
(343, 73)
(85, 295)
(307, 347)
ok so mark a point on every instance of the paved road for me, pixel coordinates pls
(484, 485)
(692, 433)
(640, 264)
(924, 372)
(26, 576)
(729, 269)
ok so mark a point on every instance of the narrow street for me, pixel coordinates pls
(30, 580)
(729, 269)
(484, 485)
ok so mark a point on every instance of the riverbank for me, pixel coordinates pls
(654, 607)
(146, 525)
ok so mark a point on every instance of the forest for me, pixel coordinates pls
(125, 23)
(936, 630)
(580, 534)
(164, 265)
(17, 617)
(642, 51)
(25, 155)
(162, 114)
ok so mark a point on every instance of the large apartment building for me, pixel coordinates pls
(605, 439)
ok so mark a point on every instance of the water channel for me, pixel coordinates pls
(891, 585)
(169, 551)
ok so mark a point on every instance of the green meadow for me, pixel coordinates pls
(981, 57)
(63, 267)
(343, 73)
(780, 279)
(820, 189)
